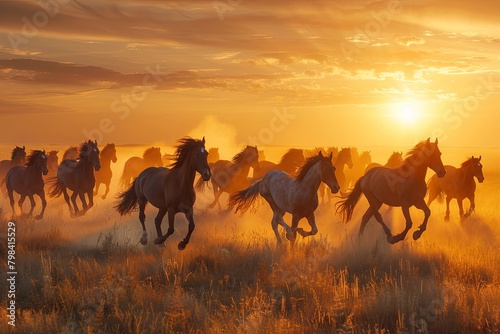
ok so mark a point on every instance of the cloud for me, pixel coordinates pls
(410, 40)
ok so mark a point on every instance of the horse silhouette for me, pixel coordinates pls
(395, 160)
(28, 181)
(134, 165)
(71, 153)
(297, 196)
(104, 174)
(359, 164)
(231, 176)
(458, 183)
(77, 176)
(18, 158)
(403, 186)
(289, 163)
(52, 164)
(169, 190)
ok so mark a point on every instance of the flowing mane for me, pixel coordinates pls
(469, 162)
(82, 150)
(415, 151)
(306, 166)
(240, 157)
(33, 157)
(186, 145)
(149, 152)
(17, 150)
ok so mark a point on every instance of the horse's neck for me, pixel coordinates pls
(242, 169)
(85, 165)
(33, 171)
(466, 176)
(186, 175)
(311, 181)
(414, 170)
(17, 161)
(105, 162)
(340, 163)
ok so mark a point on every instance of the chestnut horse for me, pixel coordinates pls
(457, 183)
(104, 174)
(133, 166)
(289, 163)
(18, 158)
(403, 186)
(169, 190)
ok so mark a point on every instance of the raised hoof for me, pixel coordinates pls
(103, 196)
(417, 234)
(144, 241)
(181, 245)
(446, 218)
(392, 239)
(38, 217)
(290, 237)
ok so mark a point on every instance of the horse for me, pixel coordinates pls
(169, 190)
(231, 176)
(18, 158)
(457, 183)
(71, 153)
(104, 174)
(77, 176)
(28, 181)
(52, 163)
(295, 195)
(359, 164)
(403, 186)
(289, 163)
(340, 161)
(133, 166)
(395, 160)
(213, 155)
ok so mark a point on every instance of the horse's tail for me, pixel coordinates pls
(127, 200)
(243, 199)
(434, 190)
(55, 189)
(346, 206)
(124, 180)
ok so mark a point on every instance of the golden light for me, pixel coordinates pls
(407, 113)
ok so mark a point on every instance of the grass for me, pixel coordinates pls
(89, 275)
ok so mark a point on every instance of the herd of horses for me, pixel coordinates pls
(295, 185)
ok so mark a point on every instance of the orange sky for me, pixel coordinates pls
(295, 73)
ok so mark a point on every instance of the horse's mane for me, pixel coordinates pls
(306, 166)
(83, 150)
(33, 156)
(416, 150)
(469, 162)
(238, 158)
(71, 148)
(290, 154)
(15, 152)
(186, 145)
(344, 150)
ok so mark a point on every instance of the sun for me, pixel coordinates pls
(407, 113)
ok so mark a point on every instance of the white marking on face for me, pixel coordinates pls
(43, 157)
(202, 150)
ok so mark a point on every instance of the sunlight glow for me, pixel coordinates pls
(407, 113)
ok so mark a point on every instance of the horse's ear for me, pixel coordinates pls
(330, 156)
(57, 151)
(95, 141)
(24, 147)
(320, 153)
(479, 158)
(436, 140)
(428, 141)
(203, 140)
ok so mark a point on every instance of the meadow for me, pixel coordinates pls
(91, 275)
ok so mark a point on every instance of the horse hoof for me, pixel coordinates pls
(144, 241)
(392, 239)
(103, 196)
(446, 218)
(416, 235)
(181, 245)
(159, 241)
(38, 217)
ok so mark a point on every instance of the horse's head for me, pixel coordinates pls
(199, 160)
(153, 156)
(38, 159)
(251, 154)
(477, 168)
(213, 153)
(365, 158)
(433, 155)
(297, 156)
(346, 152)
(19, 155)
(327, 172)
(109, 151)
(90, 151)
(52, 160)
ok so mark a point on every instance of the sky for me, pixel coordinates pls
(289, 73)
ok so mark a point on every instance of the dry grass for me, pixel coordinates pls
(89, 276)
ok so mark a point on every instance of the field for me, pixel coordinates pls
(91, 275)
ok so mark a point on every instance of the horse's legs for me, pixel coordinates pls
(402, 235)
(20, 203)
(216, 196)
(314, 229)
(142, 219)
(472, 205)
(295, 223)
(427, 213)
(96, 191)
(91, 199)
(74, 195)
(85, 207)
(10, 191)
(66, 198)
(447, 215)
(33, 204)
(375, 206)
(106, 191)
(366, 217)
(460, 207)
(159, 218)
(41, 194)
(189, 215)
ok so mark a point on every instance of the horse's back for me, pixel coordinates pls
(454, 183)
(150, 185)
(14, 178)
(265, 167)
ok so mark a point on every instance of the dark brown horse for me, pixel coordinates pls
(104, 174)
(18, 158)
(298, 196)
(231, 176)
(133, 166)
(169, 190)
(457, 183)
(403, 186)
(78, 176)
(289, 163)
(28, 181)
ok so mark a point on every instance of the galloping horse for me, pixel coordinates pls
(27, 181)
(394, 161)
(77, 176)
(71, 153)
(340, 161)
(18, 158)
(104, 174)
(133, 166)
(169, 190)
(289, 162)
(457, 183)
(298, 196)
(403, 186)
(231, 176)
